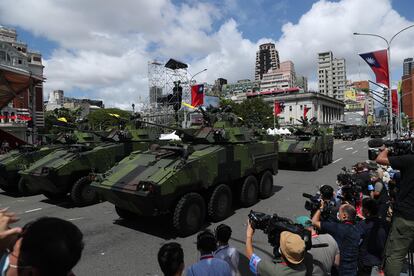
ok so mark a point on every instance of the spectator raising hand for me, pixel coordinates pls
(7, 235)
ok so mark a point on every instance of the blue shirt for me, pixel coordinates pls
(347, 236)
(209, 266)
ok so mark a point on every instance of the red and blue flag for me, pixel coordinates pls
(378, 61)
(197, 95)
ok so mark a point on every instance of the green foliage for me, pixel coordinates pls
(101, 120)
(51, 118)
(254, 111)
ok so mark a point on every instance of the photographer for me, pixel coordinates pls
(292, 248)
(380, 194)
(374, 231)
(326, 257)
(327, 195)
(346, 235)
(402, 229)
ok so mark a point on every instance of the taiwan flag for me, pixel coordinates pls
(197, 95)
(378, 61)
(276, 108)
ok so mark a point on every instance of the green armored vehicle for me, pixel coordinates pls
(378, 131)
(18, 159)
(337, 132)
(350, 132)
(69, 170)
(194, 178)
(309, 147)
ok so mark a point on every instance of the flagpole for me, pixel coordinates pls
(389, 74)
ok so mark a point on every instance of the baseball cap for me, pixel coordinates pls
(292, 247)
(304, 221)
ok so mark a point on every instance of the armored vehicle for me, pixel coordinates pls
(198, 177)
(68, 170)
(378, 131)
(309, 147)
(337, 132)
(350, 132)
(20, 159)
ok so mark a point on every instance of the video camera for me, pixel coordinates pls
(350, 190)
(313, 204)
(396, 147)
(273, 225)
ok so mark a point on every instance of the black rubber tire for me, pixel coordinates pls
(82, 194)
(266, 185)
(249, 192)
(314, 165)
(220, 203)
(325, 158)
(330, 156)
(6, 186)
(125, 214)
(320, 160)
(55, 196)
(22, 188)
(189, 214)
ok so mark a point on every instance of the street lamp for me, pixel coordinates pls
(389, 73)
(192, 76)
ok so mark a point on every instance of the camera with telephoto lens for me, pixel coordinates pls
(273, 225)
(395, 147)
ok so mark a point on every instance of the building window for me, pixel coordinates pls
(290, 108)
(37, 59)
(19, 61)
(2, 55)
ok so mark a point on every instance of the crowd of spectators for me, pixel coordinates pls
(358, 237)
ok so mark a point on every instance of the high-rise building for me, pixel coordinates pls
(407, 98)
(15, 54)
(266, 58)
(282, 78)
(408, 66)
(302, 82)
(331, 75)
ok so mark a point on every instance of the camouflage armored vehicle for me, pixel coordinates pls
(195, 178)
(16, 160)
(378, 131)
(350, 132)
(68, 170)
(337, 132)
(19, 159)
(309, 147)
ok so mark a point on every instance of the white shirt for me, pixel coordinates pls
(230, 255)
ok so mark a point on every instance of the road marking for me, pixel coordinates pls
(351, 148)
(337, 160)
(354, 152)
(33, 210)
(72, 219)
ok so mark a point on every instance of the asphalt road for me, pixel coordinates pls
(116, 247)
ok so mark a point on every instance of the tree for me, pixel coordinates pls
(254, 111)
(51, 118)
(100, 119)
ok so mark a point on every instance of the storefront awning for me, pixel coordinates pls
(14, 81)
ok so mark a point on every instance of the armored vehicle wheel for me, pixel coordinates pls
(189, 214)
(249, 191)
(5, 186)
(82, 194)
(314, 166)
(266, 185)
(23, 189)
(55, 196)
(125, 214)
(320, 160)
(330, 156)
(326, 158)
(219, 205)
